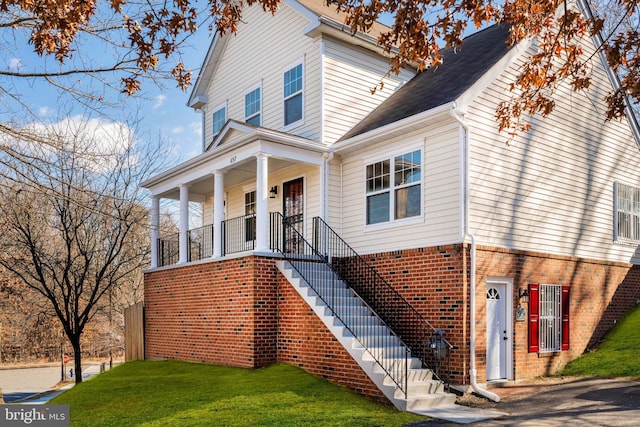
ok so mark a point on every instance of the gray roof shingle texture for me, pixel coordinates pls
(437, 86)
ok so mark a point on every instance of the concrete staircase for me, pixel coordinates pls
(372, 344)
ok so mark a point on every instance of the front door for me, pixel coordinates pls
(293, 212)
(497, 331)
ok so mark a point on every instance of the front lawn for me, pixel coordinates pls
(618, 354)
(187, 394)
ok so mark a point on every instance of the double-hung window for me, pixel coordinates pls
(626, 213)
(252, 107)
(219, 119)
(394, 188)
(548, 318)
(293, 87)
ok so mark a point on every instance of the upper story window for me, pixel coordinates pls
(394, 188)
(293, 83)
(219, 119)
(252, 107)
(626, 213)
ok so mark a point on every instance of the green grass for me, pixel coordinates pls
(188, 394)
(618, 354)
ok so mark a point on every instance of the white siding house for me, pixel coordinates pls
(433, 219)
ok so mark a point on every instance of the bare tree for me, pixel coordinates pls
(73, 210)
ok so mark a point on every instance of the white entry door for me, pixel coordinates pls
(498, 331)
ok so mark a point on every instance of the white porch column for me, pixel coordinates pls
(155, 229)
(184, 224)
(262, 209)
(218, 212)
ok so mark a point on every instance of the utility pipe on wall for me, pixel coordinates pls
(467, 234)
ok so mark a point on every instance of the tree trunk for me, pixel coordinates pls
(77, 358)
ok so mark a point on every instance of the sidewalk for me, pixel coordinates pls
(561, 402)
(31, 385)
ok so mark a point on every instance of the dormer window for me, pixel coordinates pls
(252, 107)
(293, 84)
(219, 119)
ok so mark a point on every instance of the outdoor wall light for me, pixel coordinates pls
(273, 192)
(523, 293)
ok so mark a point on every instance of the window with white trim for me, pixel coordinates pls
(626, 213)
(548, 318)
(293, 85)
(252, 107)
(394, 188)
(219, 118)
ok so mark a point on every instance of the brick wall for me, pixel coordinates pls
(435, 282)
(600, 293)
(303, 340)
(217, 312)
(242, 312)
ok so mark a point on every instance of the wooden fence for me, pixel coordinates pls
(134, 332)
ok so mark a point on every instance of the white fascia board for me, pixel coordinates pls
(392, 130)
(208, 69)
(312, 17)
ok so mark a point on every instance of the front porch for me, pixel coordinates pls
(248, 175)
(238, 236)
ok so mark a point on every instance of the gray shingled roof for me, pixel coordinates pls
(434, 87)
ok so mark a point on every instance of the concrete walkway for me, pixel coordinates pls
(561, 402)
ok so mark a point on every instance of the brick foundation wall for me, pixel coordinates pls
(218, 312)
(242, 312)
(435, 282)
(304, 341)
(600, 294)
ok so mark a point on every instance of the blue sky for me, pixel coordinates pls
(162, 111)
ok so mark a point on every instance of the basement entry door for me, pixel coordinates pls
(497, 331)
(293, 212)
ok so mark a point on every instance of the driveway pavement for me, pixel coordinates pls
(19, 384)
(562, 402)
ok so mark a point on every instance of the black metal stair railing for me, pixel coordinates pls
(385, 348)
(426, 342)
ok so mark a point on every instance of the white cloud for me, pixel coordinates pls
(100, 141)
(14, 64)
(159, 101)
(44, 111)
(177, 129)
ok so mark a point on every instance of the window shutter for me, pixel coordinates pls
(534, 317)
(565, 318)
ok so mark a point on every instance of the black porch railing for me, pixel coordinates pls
(426, 342)
(168, 250)
(239, 234)
(200, 246)
(201, 242)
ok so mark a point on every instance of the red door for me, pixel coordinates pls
(293, 212)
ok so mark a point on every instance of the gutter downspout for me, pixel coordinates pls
(467, 234)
